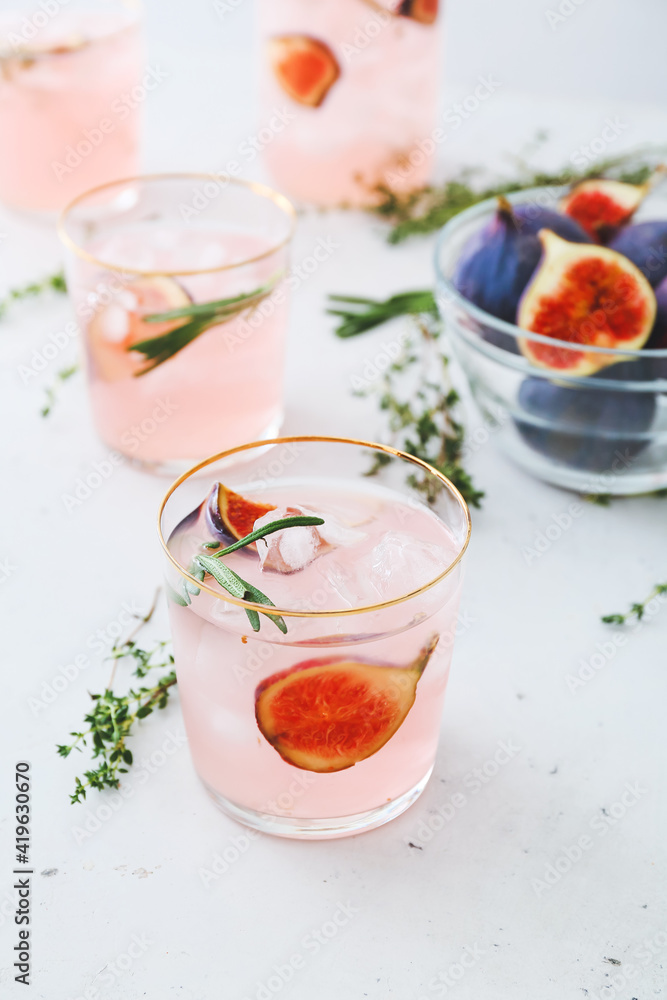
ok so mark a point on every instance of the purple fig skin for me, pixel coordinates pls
(658, 340)
(213, 519)
(645, 244)
(497, 263)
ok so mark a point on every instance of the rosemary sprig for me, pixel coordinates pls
(110, 723)
(52, 390)
(427, 209)
(53, 282)
(364, 314)
(637, 610)
(234, 584)
(199, 317)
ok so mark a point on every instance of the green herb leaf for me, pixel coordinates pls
(226, 577)
(54, 282)
(52, 391)
(253, 618)
(298, 521)
(428, 209)
(240, 588)
(202, 317)
(181, 599)
(369, 313)
(426, 424)
(637, 610)
(207, 310)
(258, 597)
(111, 722)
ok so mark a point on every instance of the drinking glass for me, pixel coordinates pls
(349, 96)
(327, 724)
(178, 281)
(71, 93)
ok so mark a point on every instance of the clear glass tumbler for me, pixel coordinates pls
(179, 284)
(317, 717)
(349, 96)
(72, 86)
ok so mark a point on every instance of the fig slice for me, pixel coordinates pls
(584, 294)
(118, 325)
(232, 516)
(424, 11)
(602, 206)
(328, 714)
(305, 67)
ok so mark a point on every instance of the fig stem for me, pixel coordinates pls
(505, 205)
(657, 177)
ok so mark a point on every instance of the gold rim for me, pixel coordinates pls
(323, 440)
(262, 190)
(135, 6)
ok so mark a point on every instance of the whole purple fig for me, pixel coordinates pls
(645, 244)
(498, 262)
(657, 367)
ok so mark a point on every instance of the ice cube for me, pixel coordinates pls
(398, 564)
(293, 549)
(114, 323)
(127, 299)
(211, 255)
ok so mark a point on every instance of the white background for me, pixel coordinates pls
(530, 624)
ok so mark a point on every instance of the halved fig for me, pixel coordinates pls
(498, 261)
(584, 294)
(232, 516)
(305, 67)
(424, 11)
(328, 714)
(118, 325)
(602, 206)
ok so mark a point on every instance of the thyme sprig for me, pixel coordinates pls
(638, 609)
(199, 318)
(427, 423)
(53, 282)
(429, 208)
(51, 391)
(235, 585)
(110, 723)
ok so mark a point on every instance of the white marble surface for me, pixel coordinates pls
(121, 909)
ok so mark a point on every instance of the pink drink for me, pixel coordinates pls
(70, 100)
(359, 79)
(225, 385)
(384, 547)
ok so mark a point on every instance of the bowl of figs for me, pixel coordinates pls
(555, 305)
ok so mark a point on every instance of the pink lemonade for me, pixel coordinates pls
(332, 727)
(358, 79)
(203, 379)
(70, 99)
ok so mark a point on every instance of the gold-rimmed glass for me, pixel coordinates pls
(222, 663)
(146, 246)
(73, 85)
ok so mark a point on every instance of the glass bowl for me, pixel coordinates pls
(604, 433)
